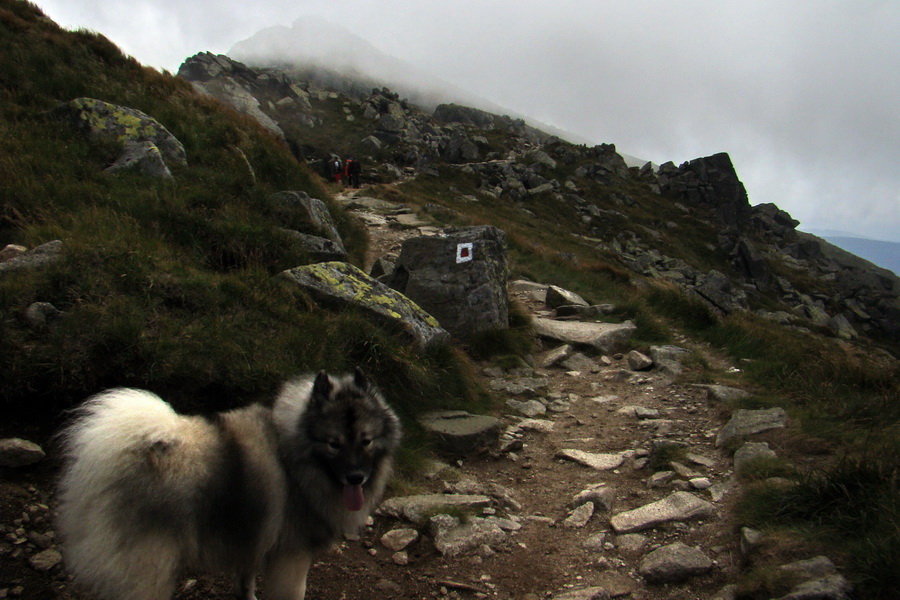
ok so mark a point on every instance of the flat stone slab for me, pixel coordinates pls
(600, 462)
(417, 509)
(461, 433)
(603, 336)
(673, 563)
(749, 422)
(679, 506)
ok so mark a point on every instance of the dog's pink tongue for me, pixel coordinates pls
(353, 497)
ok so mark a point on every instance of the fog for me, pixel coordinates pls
(804, 96)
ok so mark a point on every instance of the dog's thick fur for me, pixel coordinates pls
(146, 492)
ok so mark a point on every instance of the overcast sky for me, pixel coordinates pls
(804, 95)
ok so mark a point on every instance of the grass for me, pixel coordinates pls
(853, 507)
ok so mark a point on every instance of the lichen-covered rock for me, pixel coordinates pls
(342, 284)
(37, 257)
(102, 120)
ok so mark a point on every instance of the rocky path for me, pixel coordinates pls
(608, 482)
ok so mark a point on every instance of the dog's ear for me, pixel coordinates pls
(359, 379)
(321, 387)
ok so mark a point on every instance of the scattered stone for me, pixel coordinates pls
(700, 483)
(539, 425)
(748, 422)
(591, 593)
(579, 517)
(833, 587)
(750, 452)
(600, 462)
(579, 362)
(398, 539)
(811, 568)
(529, 408)
(16, 452)
(37, 257)
(674, 563)
(417, 509)
(556, 355)
(40, 314)
(602, 336)
(460, 433)
(632, 544)
(722, 393)
(452, 538)
(400, 558)
(668, 353)
(557, 296)
(45, 560)
(660, 479)
(638, 361)
(750, 541)
(600, 494)
(679, 506)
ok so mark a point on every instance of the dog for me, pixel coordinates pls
(146, 493)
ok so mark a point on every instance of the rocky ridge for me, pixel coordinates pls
(765, 256)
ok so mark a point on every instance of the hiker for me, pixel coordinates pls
(354, 168)
(337, 170)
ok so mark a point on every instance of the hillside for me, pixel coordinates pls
(166, 273)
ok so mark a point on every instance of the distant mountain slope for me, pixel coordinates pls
(884, 254)
(318, 50)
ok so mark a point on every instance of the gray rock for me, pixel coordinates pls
(317, 213)
(460, 433)
(673, 563)
(600, 494)
(452, 538)
(556, 355)
(143, 157)
(751, 539)
(842, 327)
(40, 314)
(16, 452)
(811, 568)
(749, 452)
(529, 408)
(44, 254)
(673, 353)
(722, 393)
(579, 362)
(45, 560)
(417, 509)
(833, 587)
(557, 296)
(11, 251)
(579, 516)
(632, 543)
(318, 249)
(600, 462)
(638, 361)
(749, 422)
(591, 593)
(398, 539)
(679, 506)
(341, 284)
(459, 277)
(605, 337)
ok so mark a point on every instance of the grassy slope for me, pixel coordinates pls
(164, 285)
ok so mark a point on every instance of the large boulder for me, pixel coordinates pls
(110, 122)
(341, 284)
(459, 277)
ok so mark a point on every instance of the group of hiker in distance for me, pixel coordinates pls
(346, 171)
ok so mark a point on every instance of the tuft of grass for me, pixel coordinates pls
(853, 506)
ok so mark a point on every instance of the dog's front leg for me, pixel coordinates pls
(286, 577)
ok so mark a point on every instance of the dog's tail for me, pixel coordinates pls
(110, 449)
